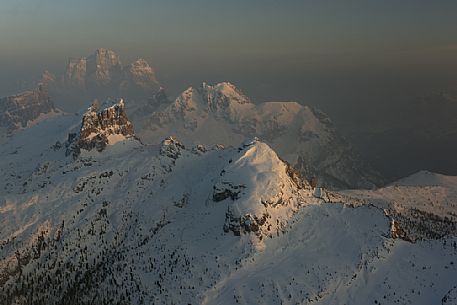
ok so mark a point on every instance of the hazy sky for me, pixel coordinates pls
(307, 50)
(360, 61)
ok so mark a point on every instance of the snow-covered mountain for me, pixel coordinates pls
(204, 224)
(222, 114)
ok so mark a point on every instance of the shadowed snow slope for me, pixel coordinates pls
(170, 224)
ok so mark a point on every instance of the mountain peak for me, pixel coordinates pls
(47, 78)
(140, 75)
(105, 56)
(104, 67)
(104, 126)
(103, 74)
(104, 51)
(302, 135)
(263, 192)
(224, 91)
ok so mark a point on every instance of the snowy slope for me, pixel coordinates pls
(423, 205)
(171, 224)
(222, 114)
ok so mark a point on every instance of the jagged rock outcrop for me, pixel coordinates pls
(25, 108)
(171, 148)
(105, 126)
(101, 127)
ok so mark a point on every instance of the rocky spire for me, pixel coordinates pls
(104, 67)
(101, 127)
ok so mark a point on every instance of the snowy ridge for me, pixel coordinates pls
(222, 114)
(147, 224)
(421, 206)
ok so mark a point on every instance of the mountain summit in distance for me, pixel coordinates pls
(101, 75)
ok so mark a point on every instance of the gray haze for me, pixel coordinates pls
(365, 63)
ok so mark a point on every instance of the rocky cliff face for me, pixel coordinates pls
(23, 109)
(75, 74)
(101, 127)
(104, 68)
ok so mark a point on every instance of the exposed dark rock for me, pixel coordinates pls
(222, 191)
(416, 225)
(243, 224)
(171, 148)
(97, 126)
(19, 110)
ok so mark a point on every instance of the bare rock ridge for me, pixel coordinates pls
(101, 127)
(23, 109)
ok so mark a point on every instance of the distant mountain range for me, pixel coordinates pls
(99, 76)
(208, 114)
